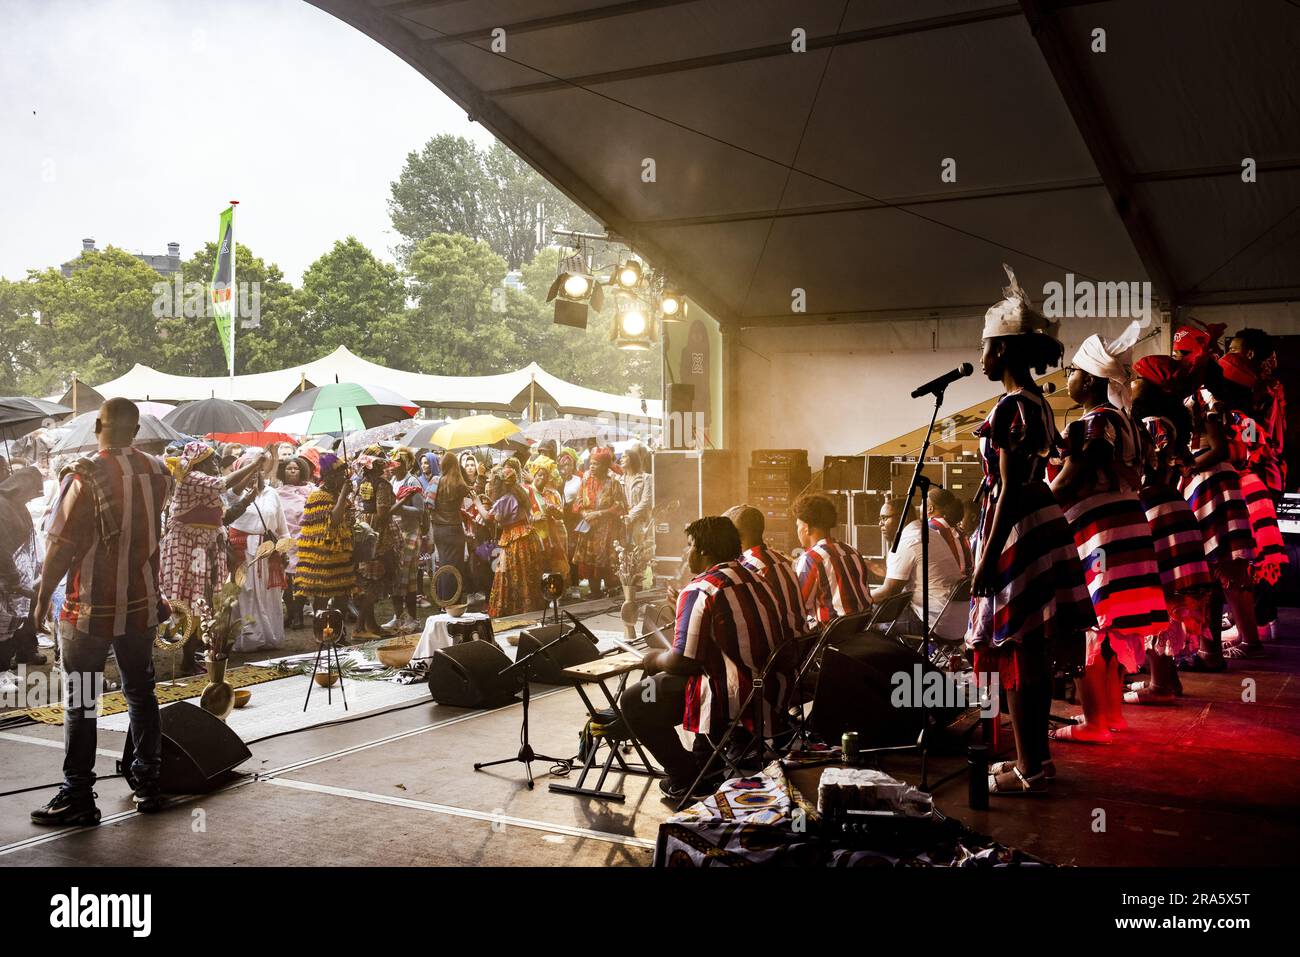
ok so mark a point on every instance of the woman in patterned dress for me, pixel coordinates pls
(1028, 597)
(377, 521)
(548, 521)
(517, 585)
(192, 554)
(1097, 488)
(1159, 387)
(294, 477)
(325, 570)
(602, 506)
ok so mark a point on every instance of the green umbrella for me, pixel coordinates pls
(340, 407)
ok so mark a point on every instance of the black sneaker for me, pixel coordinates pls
(148, 798)
(675, 792)
(68, 810)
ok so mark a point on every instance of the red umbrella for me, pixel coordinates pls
(259, 439)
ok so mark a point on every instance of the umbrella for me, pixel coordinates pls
(566, 431)
(214, 415)
(20, 415)
(81, 434)
(356, 441)
(158, 410)
(474, 430)
(259, 439)
(421, 436)
(340, 407)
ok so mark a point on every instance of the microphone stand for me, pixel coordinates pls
(526, 755)
(922, 482)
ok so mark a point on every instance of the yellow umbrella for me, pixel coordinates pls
(472, 431)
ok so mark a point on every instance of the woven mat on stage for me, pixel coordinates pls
(179, 690)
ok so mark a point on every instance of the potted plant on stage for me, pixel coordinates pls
(632, 563)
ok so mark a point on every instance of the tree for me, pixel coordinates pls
(23, 343)
(451, 186)
(350, 298)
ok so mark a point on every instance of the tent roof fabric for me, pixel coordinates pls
(821, 170)
(505, 392)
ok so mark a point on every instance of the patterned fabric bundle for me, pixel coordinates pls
(1215, 496)
(324, 550)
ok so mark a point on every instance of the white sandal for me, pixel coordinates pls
(1035, 784)
(1002, 767)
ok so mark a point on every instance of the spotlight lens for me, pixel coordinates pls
(670, 305)
(576, 286)
(628, 275)
(634, 322)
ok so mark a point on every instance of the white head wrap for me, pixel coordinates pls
(1111, 360)
(1015, 315)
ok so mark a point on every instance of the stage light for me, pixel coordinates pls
(632, 327)
(575, 291)
(577, 287)
(629, 274)
(670, 304)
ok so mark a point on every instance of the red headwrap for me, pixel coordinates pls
(1187, 339)
(1165, 373)
(1237, 369)
(602, 455)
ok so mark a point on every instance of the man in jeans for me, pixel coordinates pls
(104, 537)
(729, 621)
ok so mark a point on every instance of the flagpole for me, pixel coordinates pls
(234, 300)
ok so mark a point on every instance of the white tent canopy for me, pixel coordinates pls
(509, 391)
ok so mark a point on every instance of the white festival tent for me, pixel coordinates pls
(509, 391)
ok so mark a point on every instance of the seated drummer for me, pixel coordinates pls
(832, 575)
(771, 566)
(727, 616)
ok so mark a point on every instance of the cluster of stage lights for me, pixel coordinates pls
(641, 294)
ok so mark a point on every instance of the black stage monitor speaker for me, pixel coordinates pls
(846, 473)
(855, 687)
(468, 676)
(576, 649)
(198, 750)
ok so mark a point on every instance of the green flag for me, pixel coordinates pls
(223, 286)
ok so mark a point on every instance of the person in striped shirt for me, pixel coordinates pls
(104, 536)
(773, 567)
(832, 575)
(728, 623)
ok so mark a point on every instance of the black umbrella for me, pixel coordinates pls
(421, 436)
(20, 415)
(81, 434)
(214, 415)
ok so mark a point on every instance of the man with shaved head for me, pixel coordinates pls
(773, 567)
(103, 535)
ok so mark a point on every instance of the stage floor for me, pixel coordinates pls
(1214, 780)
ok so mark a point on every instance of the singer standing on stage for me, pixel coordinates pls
(104, 536)
(1027, 592)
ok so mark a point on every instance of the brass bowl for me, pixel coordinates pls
(457, 610)
(396, 652)
(327, 679)
(241, 697)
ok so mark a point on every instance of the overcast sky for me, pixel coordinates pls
(134, 121)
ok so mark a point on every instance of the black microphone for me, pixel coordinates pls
(935, 386)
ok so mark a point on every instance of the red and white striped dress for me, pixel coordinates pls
(1114, 542)
(1180, 553)
(1245, 440)
(1040, 592)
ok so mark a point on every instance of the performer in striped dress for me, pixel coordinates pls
(1233, 391)
(1213, 489)
(1097, 486)
(1180, 552)
(1028, 597)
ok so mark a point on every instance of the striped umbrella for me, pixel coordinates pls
(340, 407)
